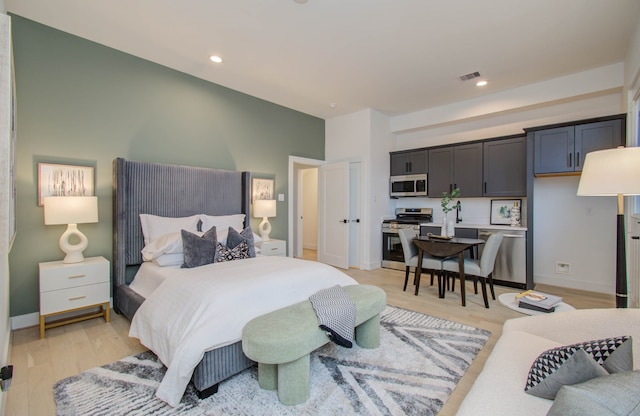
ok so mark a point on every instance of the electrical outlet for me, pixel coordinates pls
(563, 267)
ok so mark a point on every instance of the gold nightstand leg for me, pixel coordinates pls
(106, 311)
(41, 327)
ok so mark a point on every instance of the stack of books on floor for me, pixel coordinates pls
(538, 301)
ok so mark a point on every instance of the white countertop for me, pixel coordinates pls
(477, 226)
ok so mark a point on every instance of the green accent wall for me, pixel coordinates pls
(79, 102)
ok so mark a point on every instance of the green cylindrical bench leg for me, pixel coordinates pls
(368, 333)
(293, 381)
(268, 376)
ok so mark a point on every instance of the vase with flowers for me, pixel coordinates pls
(448, 205)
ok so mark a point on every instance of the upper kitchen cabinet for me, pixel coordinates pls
(505, 167)
(561, 150)
(411, 162)
(455, 167)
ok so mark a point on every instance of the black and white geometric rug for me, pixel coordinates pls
(413, 372)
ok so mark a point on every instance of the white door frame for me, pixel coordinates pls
(294, 194)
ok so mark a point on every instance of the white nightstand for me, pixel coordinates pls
(71, 287)
(274, 248)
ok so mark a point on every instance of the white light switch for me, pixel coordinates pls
(280, 197)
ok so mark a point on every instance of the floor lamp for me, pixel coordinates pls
(614, 172)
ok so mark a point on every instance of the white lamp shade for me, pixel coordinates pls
(70, 209)
(611, 172)
(264, 208)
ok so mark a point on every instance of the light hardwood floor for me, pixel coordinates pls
(71, 349)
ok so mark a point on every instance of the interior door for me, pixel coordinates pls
(333, 214)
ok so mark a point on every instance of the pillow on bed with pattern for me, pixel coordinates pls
(154, 227)
(222, 222)
(224, 253)
(234, 238)
(198, 250)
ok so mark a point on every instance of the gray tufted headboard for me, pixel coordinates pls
(168, 191)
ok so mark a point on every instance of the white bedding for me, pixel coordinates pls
(149, 277)
(204, 308)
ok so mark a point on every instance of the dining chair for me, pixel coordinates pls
(410, 250)
(481, 268)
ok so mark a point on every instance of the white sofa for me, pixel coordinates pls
(499, 389)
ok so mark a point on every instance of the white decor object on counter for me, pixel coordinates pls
(448, 227)
(515, 214)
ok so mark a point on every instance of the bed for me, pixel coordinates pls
(178, 191)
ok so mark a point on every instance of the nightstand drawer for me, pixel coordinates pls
(73, 298)
(273, 248)
(57, 275)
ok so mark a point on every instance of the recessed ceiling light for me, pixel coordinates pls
(216, 59)
(481, 83)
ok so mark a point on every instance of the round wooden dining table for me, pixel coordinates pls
(444, 248)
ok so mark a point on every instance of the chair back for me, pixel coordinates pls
(409, 249)
(489, 253)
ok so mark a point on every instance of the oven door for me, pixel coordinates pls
(392, 254)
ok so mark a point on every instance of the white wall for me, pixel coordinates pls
(364, 136)
(5, 97)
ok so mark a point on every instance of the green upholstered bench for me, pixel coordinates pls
(282, 340)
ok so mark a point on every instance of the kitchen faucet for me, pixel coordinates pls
(458, 211)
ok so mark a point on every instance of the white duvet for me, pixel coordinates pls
(204, 308)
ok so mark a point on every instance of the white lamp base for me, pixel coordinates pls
(74, 251)
(264, 228)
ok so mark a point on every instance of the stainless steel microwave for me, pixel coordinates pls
(408, 185)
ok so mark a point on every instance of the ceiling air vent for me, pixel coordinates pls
(467, 77)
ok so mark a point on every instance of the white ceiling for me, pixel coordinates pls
(396, 56)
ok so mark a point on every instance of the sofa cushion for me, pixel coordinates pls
(576, 363)
(613, 395)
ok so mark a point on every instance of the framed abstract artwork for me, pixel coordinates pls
(64, 180)
(262, 188)
(501, 210)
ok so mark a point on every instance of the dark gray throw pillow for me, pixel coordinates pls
(234, 238)
(576, 363)
(198, 251)
(613, 395)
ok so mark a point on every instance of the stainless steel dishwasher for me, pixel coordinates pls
(511, 261)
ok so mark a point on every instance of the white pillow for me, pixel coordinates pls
(166, 244)
(175, 259)
(222, 222)
(154, 227)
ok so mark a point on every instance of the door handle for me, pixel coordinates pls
(344, 221)
(356, 220)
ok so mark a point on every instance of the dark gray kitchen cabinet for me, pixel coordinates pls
(505, 167)
(563, 149)
(455, 167)
(411, 162)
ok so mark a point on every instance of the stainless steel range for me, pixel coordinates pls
(392, 254)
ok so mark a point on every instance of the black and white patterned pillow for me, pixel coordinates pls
(224, 253)
(576, 363)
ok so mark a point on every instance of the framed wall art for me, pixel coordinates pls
(501, 210)
(262, 188)
(64, 180)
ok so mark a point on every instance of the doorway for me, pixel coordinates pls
(303, 206)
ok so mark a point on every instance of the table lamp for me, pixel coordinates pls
(264, 208)
(614, 172)
(71, 210)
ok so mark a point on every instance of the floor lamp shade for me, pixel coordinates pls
(264, 208)
(614, 172)
(71, 210)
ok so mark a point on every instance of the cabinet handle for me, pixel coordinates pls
(77, 298)
(578, 159)
(485, 187)
(75, 276)
(569, 159)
